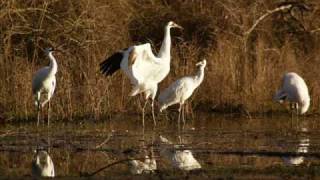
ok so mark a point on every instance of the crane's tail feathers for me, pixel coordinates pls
(111, 64)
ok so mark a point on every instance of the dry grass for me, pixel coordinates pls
(242, 71)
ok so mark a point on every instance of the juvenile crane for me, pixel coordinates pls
(144, 69)
(44, 80)
(42, 165)
(181, 90)
(294, 90)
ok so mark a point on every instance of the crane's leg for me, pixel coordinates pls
(183, 111)
(179, 116)
(143, 112)
(297, 108)
(38, 104)
(38, 114)
(291, 112)
(297, 112)
(153, 96)
(294, 112)
(47, 101)
(153, 117)
(48, 113)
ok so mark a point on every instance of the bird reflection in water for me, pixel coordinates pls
(182, 159)
(42, 165)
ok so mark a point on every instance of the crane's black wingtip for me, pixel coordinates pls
(109, 66)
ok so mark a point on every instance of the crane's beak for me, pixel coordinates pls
(48, 49)
(177, 26)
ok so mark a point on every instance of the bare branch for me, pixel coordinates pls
(114, 163)
(105, 141)
(282, 8)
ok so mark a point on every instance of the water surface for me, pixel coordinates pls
(261, 147)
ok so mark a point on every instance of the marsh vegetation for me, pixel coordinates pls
(244, 64)
(248, 46)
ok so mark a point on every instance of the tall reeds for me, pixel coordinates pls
(243, 71)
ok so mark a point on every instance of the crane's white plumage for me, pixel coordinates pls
(180, 90)
(44, 81)
(180, 159)
(138, 167)
(42, 165)
(144, 69)
(294, 90)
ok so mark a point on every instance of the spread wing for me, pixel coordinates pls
(138, 62)
(112, 63)
(144, 63)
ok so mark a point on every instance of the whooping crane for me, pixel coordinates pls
(144, 69)
(295, 90)
(42, 165)
(180, 90)
(180, 159)
(44, 80)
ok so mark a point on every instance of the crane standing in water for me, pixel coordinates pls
(44, 80)
(144, 69)
(180, 90)
(294, 90)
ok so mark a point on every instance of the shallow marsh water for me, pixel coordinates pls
(225, 146)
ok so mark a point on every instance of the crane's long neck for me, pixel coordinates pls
(164, 52)
(198, 78)
(53, 64)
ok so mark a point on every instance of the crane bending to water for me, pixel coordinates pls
(295, 90)
(144, 69)
(180, 90)
(44, 80)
